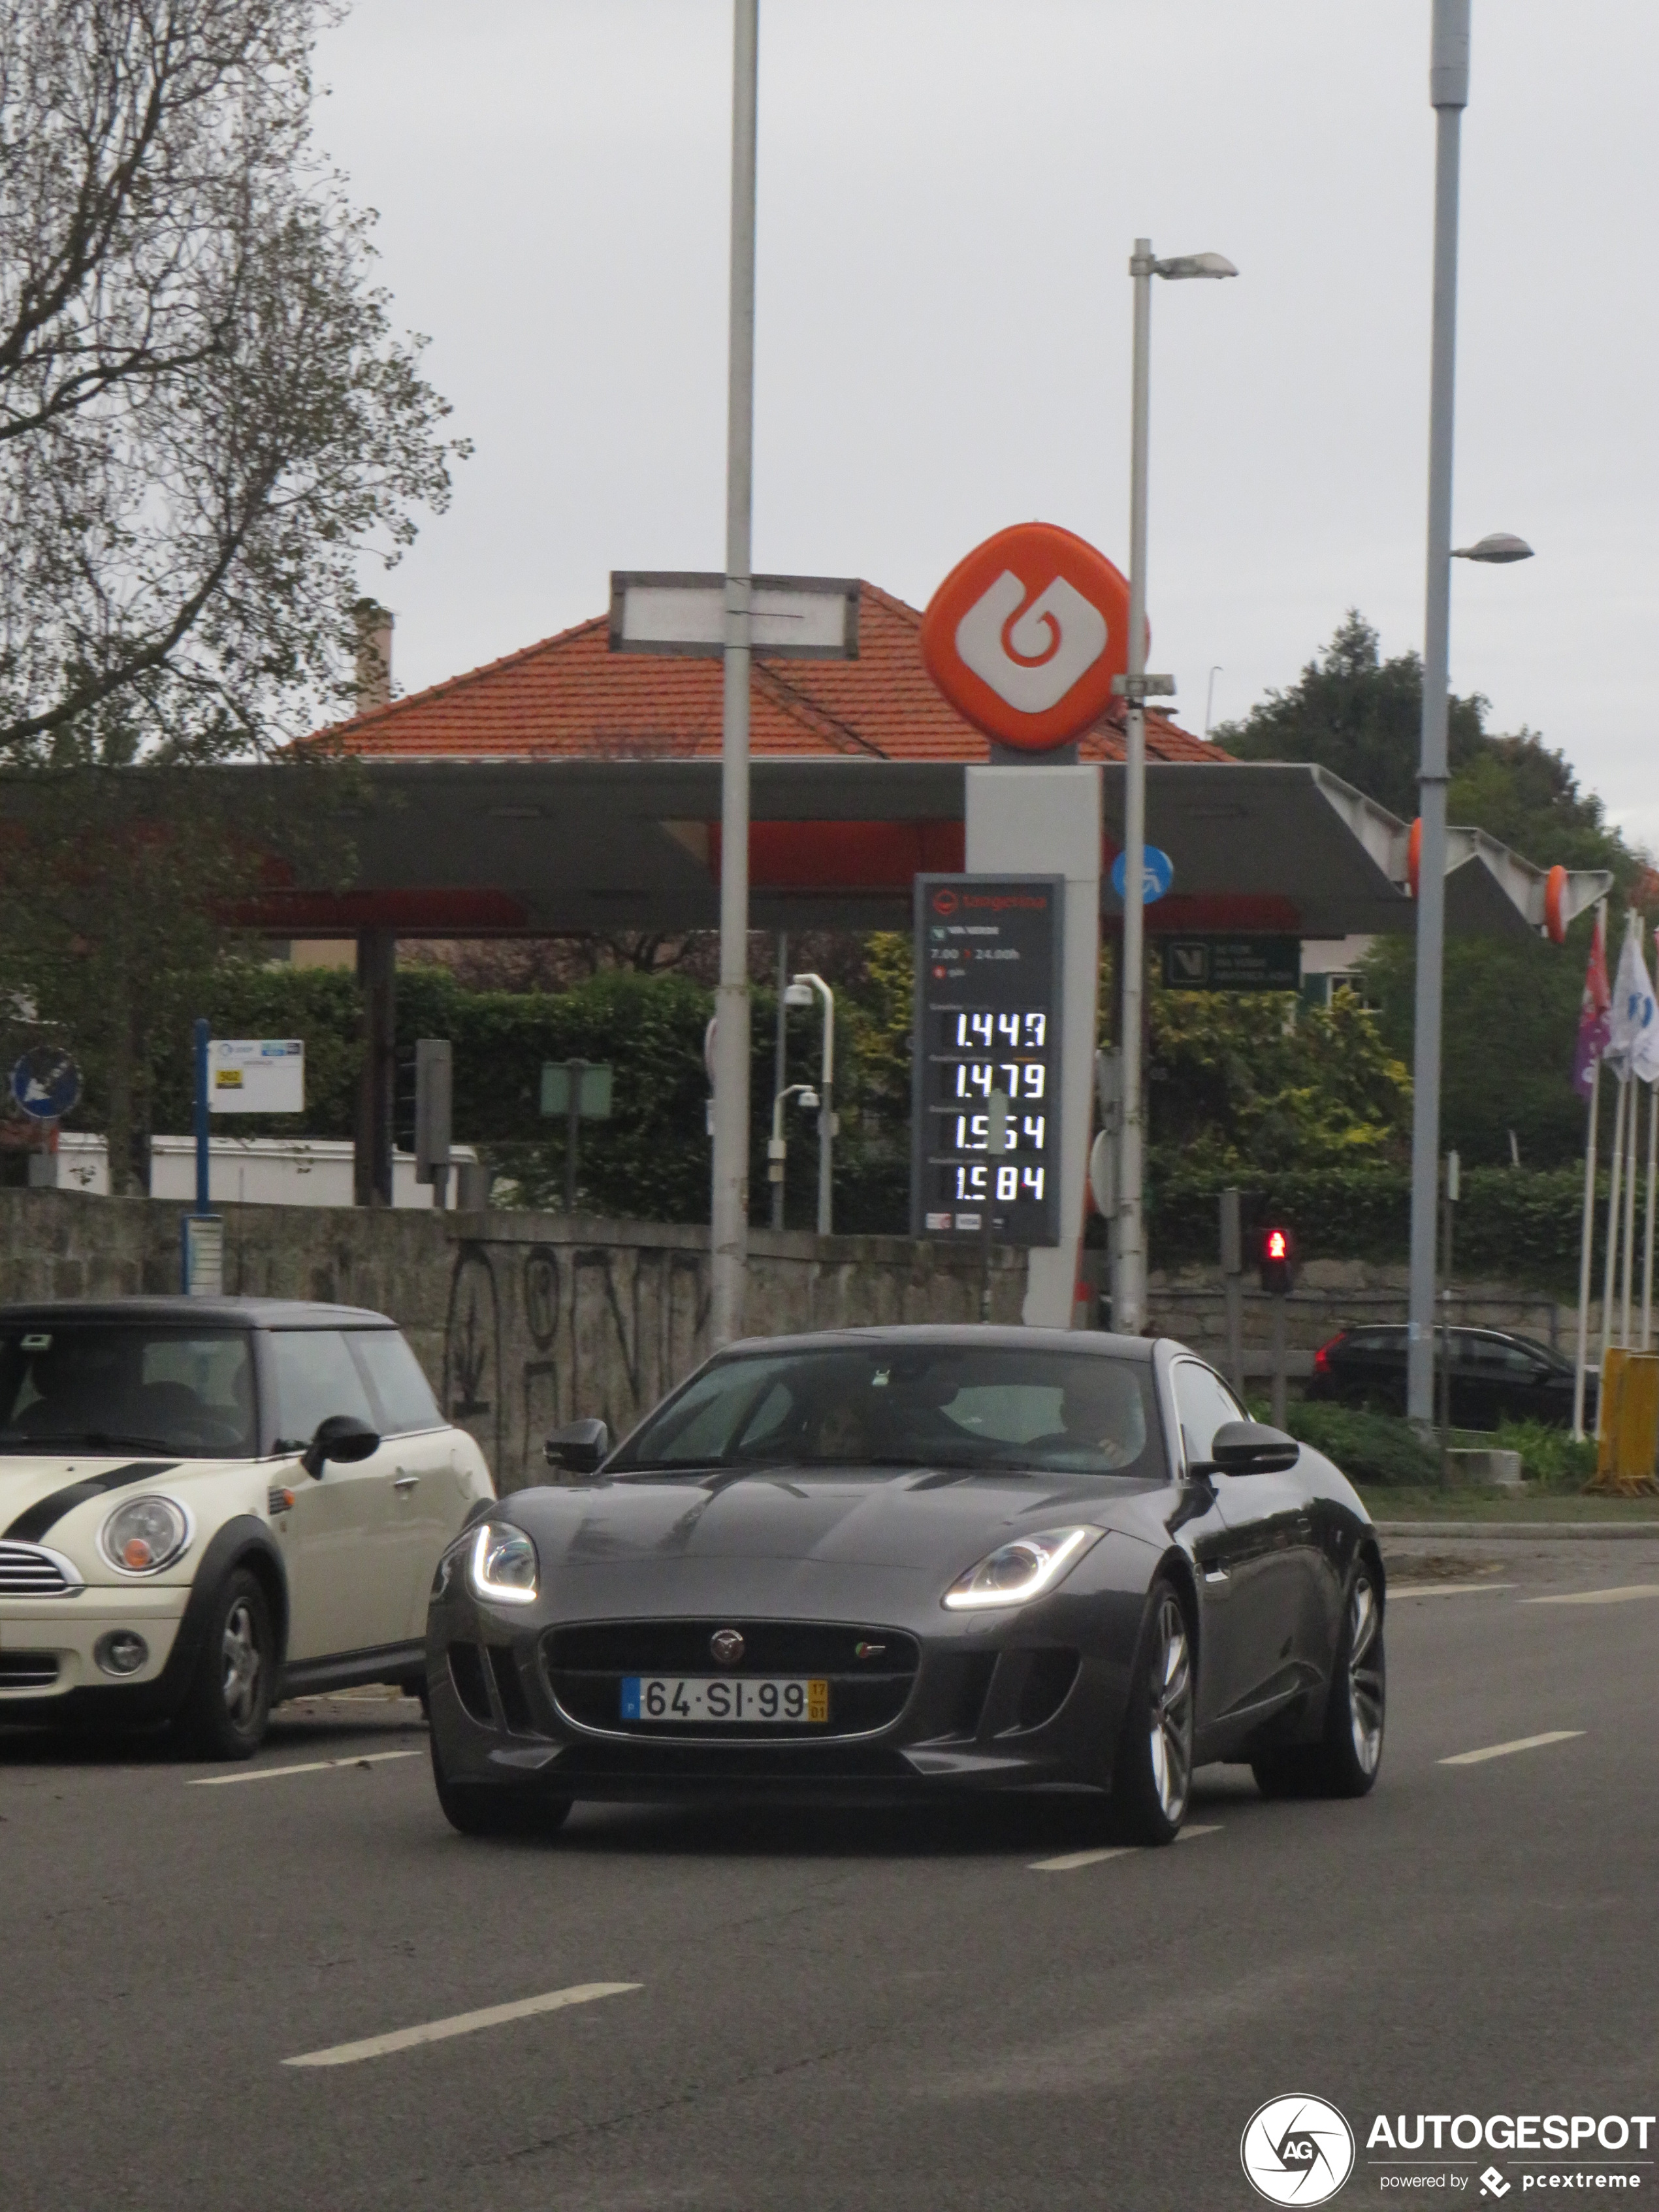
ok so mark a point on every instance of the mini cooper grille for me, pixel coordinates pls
(27, 1670)
(26, 1573)
(870, 1672)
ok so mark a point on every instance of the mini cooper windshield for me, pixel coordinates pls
(119, 1387)
(951, 1407)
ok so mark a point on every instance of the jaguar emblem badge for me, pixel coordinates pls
(726, 1645)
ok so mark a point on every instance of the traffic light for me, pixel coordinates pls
(1277, 1261)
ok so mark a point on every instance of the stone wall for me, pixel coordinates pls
(522, 1320)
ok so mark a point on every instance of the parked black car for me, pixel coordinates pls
(1496, 1376)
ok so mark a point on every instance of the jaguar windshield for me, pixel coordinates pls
(929, 1406)
(114, 1386)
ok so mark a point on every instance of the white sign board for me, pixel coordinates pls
(257, 1075)
(791, 617)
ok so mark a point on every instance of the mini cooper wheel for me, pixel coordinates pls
(228, 1701)
(1345, 1761)
(482, 1809)
(1152, 1776)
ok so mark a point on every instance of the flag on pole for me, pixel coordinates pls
(1632, 1046)
(1593, 1009)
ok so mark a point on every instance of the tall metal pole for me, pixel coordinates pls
(729, 1228)
(1129, 1268)
(780, 1057)
(1449, 93)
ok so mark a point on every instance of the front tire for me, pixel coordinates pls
(228, 1701)
(1152, 1776)
(481, 1808)
(1345, 1760)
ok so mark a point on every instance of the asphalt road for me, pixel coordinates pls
(854, 2012)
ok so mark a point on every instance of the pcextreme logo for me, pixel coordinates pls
(1024, 636)
(1296, 2150)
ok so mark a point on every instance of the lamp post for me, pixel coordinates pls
(802, 991)
(1129, 1264)
(728, 1235)
(1448, 94)
(777, 1149)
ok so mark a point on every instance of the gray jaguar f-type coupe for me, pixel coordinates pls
(920, 1562)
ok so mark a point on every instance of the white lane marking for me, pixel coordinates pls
(1069, 1861)
(1444, 1590)
(460, 2023)
(1620, 1596)
(310, 1766)
(1502, 1750)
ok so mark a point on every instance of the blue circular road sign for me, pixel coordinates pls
(47, 1084)
(1156, 879)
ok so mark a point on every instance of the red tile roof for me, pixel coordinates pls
(570, 695)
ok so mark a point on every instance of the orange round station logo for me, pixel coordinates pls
(1024, 636)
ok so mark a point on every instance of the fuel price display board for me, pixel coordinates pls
(988, 964)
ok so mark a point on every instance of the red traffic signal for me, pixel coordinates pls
(1277, 1261)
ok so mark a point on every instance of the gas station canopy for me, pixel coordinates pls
(469, 848)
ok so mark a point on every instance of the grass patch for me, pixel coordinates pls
(1402, 1503)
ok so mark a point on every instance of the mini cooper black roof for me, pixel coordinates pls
(221, 1313)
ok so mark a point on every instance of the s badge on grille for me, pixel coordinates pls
(726, 1645)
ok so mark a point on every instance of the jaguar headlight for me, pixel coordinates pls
(503, 1564)
(145, 1535)
(1018, 1572)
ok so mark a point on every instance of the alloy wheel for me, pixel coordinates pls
(243, 1664)
(1171, 1680)
(1365, 1678)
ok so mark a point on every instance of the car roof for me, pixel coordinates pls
(968, 1335)
(221, 1313)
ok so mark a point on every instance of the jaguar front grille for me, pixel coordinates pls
(871, 1672)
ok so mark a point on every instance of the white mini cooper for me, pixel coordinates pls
(207, 1505)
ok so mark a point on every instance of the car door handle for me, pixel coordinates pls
(405, 1481)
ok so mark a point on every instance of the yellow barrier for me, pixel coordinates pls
(1627, 1441)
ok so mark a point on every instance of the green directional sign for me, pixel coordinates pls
(1232, 963)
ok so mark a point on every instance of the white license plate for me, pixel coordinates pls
(724, 1698)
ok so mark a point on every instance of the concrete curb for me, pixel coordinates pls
(1516, 1531)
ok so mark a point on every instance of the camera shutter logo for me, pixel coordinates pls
(1296, 2150)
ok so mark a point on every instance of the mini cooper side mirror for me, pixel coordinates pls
(342, 1437)
(579, 1447)
(1249, 1448)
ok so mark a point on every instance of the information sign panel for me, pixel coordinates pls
(1232, 963)
(257, 1075)
(987, 999)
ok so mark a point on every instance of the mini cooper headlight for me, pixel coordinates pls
(1022, 1569)
(503, 1564)
(145, 1535)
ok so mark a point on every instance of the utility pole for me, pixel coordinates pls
(729, 1225)
(1449, 93)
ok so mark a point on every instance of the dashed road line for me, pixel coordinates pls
(460, 2023)
(1069, 1861)
(310, 1766)
(1444, 1590)
(1622, 1595)
(1502, 1750)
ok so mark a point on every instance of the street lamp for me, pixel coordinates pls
(777, 1151)
(1129, 1260)
(1448, 95)
(801, 991)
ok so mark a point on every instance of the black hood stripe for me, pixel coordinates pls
(33, 1522)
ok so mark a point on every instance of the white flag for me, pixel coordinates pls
(1633, 1027)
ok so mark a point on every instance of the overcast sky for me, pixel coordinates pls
(949, 190)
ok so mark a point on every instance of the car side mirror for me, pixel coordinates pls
(1249, 1448)
(342, 1437)
(579, 1447)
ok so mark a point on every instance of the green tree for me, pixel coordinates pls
(1357, 714)
(206, 418)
